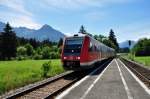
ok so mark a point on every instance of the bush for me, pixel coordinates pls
(54, 49)
(30, 50)
(37, 57)
(21, 51)
(46, 68)
(46, 52)
(54, 55)
(13, 58)
(131, 57)
(21, 58)
(142, 47)
(39, 50)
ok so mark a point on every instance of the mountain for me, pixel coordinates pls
(45, 32)
(24, 32)
(2, 25)
(126, 44)
(49, 33)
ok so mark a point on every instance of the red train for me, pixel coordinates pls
(82, 51)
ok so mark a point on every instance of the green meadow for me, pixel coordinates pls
(14, 74)
(145, 60)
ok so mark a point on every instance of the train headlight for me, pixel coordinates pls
(65, 57)
(78, 57)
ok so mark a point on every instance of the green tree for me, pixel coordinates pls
(47, 42)
(82, 30)
(30, 50)
(105, 40)
(60, 43)
(0, 46)
(142, 47)
(124, 50)
(54, 55)
(21, 51)
(100, 38)
(46, 52)
(129, 42)
(54, 49)
(8, 43)
(109, 43)
(96, 37)
(39, 51)
(113, 39)
(33, 42)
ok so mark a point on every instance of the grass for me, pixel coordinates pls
(145, 60)
(14, 74)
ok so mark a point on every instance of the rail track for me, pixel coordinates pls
(46, 89)
(140, 71)
(51, 87)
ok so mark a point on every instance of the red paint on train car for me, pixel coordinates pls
(83, 52)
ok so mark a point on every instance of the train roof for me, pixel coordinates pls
(76, 35)
(83, 35)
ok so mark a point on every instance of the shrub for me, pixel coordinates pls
(13, 58)
(46, 52)
(21, 51)
(54, 55)
(142, 47)
(21, 58)
(55, 49)
(46, 68)
(30, 50)
(37, 57)
(39, 51)
(131, 56)
(59, 50)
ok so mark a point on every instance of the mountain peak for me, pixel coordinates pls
(125, 44)
(1, 22)
(43, 33)
(46, 26)
(2, 25)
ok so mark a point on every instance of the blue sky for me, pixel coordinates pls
(130, 19)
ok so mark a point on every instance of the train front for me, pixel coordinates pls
(71, 52)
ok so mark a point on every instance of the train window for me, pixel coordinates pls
(73, 46)
(99, 48)
(74, 41)
(90, 47)
(95, 48)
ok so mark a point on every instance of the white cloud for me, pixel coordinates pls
(24, 21)
(145, 35)
(15, 5)
(17, 20)
(133, 31)
(78, 4)
(16, 14)
(95, 16)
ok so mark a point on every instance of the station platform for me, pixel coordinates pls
(116, 81)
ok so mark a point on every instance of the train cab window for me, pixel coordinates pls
(73, 46)
(95, 48)
(74, 41)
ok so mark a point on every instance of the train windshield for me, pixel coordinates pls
(73, 46)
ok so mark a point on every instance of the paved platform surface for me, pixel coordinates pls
(115, 82)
